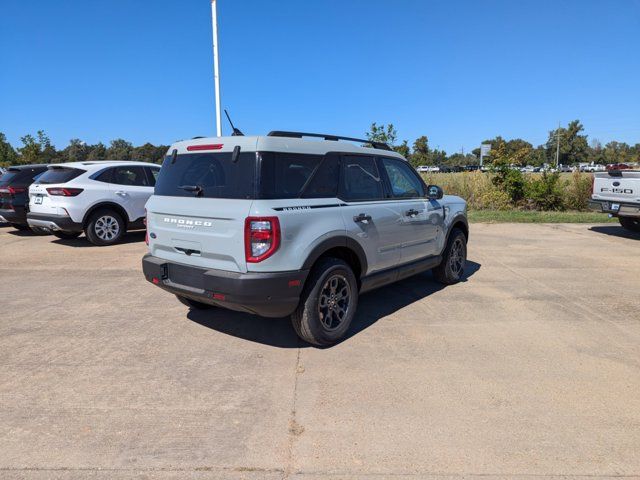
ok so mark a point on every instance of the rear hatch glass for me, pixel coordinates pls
(9, 176)
(208, 175)
(59, 175)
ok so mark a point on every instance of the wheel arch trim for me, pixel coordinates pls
(118, 208)
(337, 242)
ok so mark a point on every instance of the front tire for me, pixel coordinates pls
(66, 235)
(328, 303)
(631, 224)
(193, 304)
(105, 227)
(451, 269)
(21, 227)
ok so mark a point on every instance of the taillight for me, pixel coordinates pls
(261, 238)
(593, 184)
(64, 192)
(13, 190)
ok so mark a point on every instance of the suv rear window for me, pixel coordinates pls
(209, 175)
(9, 175)
(60, 175)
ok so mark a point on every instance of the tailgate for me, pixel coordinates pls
(619, 186)
(41, 202)
(203, 232)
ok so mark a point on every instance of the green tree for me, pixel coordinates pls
(382, 133)
(8, 155)
(437, 157)
(512, 152)
(421, 152)
(149, 152)
(617, 152)
(120, 150)
(574, 147)
(76, 151)
(97, 152)
(403, 149)
(36, 149)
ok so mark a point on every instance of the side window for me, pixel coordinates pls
(152, 175)
(324, 182)
(131, 176)
(404, 182)
(105, 176)
(360, 179)
(284, 175)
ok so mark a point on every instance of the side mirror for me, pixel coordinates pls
(434, 192)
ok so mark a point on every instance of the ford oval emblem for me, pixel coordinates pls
(616, 184)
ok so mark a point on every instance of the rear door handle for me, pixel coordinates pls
(363, 217)
(411, 213)
(122, 193)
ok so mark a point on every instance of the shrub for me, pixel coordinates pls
(494, 200)
(578, 191)
(510, 181)
(545, 192)
(512, 190)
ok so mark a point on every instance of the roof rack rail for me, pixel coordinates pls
(280, 133)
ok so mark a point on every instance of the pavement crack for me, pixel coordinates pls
(294, 428)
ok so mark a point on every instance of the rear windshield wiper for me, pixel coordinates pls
(197, 189)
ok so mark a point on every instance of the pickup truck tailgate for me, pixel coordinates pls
(617, 186)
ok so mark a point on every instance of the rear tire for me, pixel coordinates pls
(105, 227)
(328, 303)
(629, 223)
(21, 227)
(66, 235)
(193, 304)
(451, 269)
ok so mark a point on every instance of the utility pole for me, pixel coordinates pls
(216, 69)
(558, 146)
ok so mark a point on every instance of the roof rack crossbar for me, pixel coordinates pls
(280, 133)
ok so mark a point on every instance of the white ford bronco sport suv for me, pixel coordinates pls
(283, 225)
(102, 198)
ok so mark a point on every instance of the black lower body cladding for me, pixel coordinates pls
(17, 215)
(54, 222)
(266, 294)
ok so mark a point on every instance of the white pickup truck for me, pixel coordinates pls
(617, 192)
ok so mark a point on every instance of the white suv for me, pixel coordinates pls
(280, 225)
(103, 198)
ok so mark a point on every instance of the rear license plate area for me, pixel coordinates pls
(37, 200)
(187, 276)
(615, 206)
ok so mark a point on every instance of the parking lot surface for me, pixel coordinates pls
(530, 367)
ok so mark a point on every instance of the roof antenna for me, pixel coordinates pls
(236, 132)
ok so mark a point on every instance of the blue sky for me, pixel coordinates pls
(456, 71)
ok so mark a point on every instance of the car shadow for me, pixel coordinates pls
(23, 233)
(372, 306)
(615, 231)
(81, 242)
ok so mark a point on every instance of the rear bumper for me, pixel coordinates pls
(19, 215)
(53, 222)
(265, 294)
(623, 209)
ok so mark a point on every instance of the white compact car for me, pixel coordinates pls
(103, 198)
